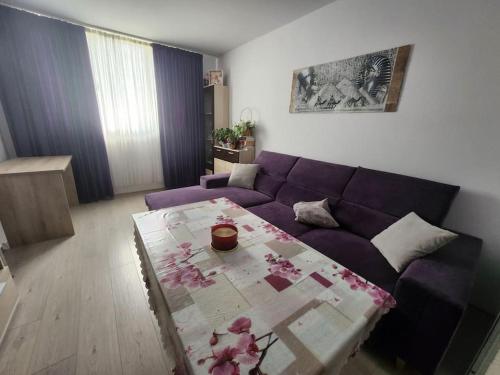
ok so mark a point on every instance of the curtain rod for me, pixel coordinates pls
(96, 28)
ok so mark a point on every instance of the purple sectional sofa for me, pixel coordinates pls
(432, 292)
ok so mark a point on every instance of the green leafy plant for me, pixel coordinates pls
(226, 136)
(244, 127)
(221, 135)
(238, 130)
(232, 137)
(217, 135)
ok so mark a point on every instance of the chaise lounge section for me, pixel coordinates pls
(431, 293)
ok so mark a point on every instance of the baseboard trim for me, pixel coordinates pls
(2, 336)
(138, 188)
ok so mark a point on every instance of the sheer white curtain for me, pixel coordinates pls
(124, 77)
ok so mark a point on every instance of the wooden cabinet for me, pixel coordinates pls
(216, 107)
(224, 158)
(35, 198)
(222, 166)
(231, 156)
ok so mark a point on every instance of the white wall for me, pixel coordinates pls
(447, 125)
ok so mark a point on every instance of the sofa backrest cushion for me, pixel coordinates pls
(274, 168)
(311, 180)
(361, 220)
(398, 195)
(289, 194)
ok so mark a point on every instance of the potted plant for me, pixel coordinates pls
(226, 137)
(245, 127)
(219, 136)
(232, 139)
(238, 130)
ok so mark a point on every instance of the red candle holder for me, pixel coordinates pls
(224, 237)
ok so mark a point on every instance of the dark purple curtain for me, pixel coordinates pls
(48, 96)
(179, 87)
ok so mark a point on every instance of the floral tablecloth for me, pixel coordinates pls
(272, 306)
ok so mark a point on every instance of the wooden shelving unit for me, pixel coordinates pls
(216, 106)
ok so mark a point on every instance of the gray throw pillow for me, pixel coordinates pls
(410, 238)
(243, 175)
(315, 213)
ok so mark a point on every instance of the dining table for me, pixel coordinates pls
(272, 305)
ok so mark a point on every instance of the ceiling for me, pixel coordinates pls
(208, 26)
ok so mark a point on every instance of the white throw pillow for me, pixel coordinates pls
(243, 175)
(315, 213)
(410, 238)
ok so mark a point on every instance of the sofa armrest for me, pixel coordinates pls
(432, 293)
(211, 181)
(448, 274)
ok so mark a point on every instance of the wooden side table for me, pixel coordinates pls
(35, 196)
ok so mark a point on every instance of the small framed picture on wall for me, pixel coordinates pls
(216, 77)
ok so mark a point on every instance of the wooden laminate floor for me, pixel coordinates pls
(83, 307)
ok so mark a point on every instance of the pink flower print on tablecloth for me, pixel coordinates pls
(214, 339)
(354, 280)
(224, 363)
(282, 267)
(184, 250)
(173, 279)
(221, 219)
(188, 276)
(185, 245)
(231, 204)
(240, 325)
(380, 296)
(195, 279)
(284, 237)
(278, 233)
(249, 351)
(181, 255)
(170, 226)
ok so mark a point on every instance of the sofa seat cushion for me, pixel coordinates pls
(281, 216)
(355, 253)
(176, 197)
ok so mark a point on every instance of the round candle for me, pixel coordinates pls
(224, 236)
(224, 232)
